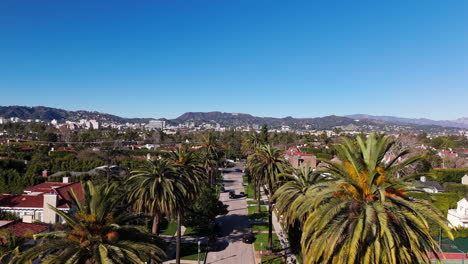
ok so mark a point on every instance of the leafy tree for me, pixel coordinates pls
(264, 134)
(201, 212)
(49, 137)
(99, 232)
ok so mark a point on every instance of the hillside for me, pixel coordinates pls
(48, 113)
(353, 122)
(461, 122)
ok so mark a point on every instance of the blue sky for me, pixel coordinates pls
(161, 58)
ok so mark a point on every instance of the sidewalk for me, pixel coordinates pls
(282, 236)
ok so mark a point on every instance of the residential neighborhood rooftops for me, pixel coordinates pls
(34, 196)
(20, 229)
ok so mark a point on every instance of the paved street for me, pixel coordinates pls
(230, 248)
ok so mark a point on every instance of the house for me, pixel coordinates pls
(429, 186)
(297, 158)
(21, 229)
(464, 179)
(33, 204)
(459, 217)
(447, 154)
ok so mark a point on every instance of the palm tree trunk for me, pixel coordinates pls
(270, 226)
(254, 189)
(178, 238)
(259, 197)
(154, 228)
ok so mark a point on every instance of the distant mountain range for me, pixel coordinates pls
(460, 122)
(357, 121)
(48, 114)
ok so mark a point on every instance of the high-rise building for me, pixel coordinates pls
(156, 124)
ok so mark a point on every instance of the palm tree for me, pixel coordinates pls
(267, 163)
(10, 245)
(365, 215)
(249, 146)
(293, 194)
(156, 189)
(188, 169)
(98, 232)
(250, 143)
(210, 156)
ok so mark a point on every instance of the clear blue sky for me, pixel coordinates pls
(161, 58)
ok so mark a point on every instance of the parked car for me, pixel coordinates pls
(232, 194)
(248, 238)
(237, 170)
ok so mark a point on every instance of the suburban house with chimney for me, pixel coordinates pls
(459, 217)
(33, 204)
(298, 158)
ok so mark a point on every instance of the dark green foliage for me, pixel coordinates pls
(449, 175)
(201, 213)
(443, 201)
(264, 134)
(12, 164)
(8, 216)
(459, 189)
(11, 181)
(48, 137)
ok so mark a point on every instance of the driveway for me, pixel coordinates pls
(230, 249)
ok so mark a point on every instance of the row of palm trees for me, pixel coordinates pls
(107, 226)
(354, 211)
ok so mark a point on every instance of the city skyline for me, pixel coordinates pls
(265, 58)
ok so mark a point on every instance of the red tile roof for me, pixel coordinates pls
(65, 149)
(26, 148)
(35, 195)
(169, 148)
(295, 151)
(20, 229)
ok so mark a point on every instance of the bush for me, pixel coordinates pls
(443, 201)
(449, 175)
(459, 189)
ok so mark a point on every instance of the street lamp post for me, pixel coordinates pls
(261, 252)
(199, 251)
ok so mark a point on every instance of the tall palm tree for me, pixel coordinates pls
(210, 156)
(268, 163)
(365, 215)
(98, 232)
(291, 197)
(250, 144)
(156, 189)
(188, 169)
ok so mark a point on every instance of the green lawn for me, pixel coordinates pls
(189, 251)
(168, 229)
(270, 260)
(252, 212)
(245, 179)
(249, 190)
(255, 202)
(260, 227)
(196, 232)
(263, 238)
